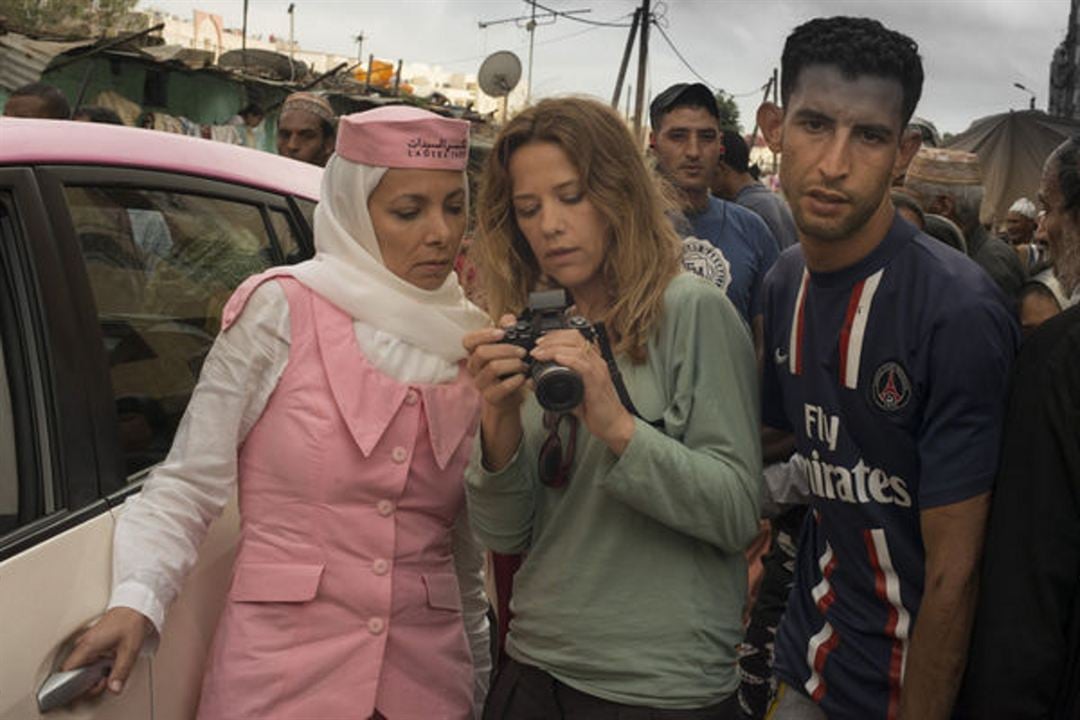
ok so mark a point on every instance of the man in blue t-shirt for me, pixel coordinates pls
(887, 357)
(685, 139)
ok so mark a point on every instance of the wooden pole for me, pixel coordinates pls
(625, 59)
(642, 68)
(243, 36)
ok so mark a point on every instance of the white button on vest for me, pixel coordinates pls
(376, 625)
(412, 398)
(385, 508)
(399, 454)
(380, 567)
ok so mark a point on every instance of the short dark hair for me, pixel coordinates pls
(1066, 164)
(98, 114)
(251, 109)
(736, 153)
(857, 46)
(55, 103)
(694, 95)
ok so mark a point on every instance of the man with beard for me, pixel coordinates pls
(306, 128)
(949, 183)
(887, 355)
(1025, 657)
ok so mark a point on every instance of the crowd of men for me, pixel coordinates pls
(910, 456)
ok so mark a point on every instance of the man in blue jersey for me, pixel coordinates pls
(887, 357)
(685, 139)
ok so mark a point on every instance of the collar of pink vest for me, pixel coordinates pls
(369, 399)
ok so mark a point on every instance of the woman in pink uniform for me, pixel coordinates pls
(335, 398)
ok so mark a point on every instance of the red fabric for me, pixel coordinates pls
(505, 566)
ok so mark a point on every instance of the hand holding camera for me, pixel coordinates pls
(557, 387)
(557, 353)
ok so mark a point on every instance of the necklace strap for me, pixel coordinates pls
(616, 376)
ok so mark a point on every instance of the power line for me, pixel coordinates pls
(755, 91)
(520, 46)
(680, 56)
(598, 23)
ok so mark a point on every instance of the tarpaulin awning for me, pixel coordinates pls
(1012, 148)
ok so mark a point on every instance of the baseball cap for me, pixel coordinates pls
(692, 94)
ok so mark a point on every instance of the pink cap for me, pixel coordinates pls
(403, 137)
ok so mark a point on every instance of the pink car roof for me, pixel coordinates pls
(63, 142)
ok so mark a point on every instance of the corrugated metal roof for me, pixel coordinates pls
(22, 60)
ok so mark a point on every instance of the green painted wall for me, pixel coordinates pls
(199, 96)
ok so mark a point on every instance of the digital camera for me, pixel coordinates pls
(558, 388)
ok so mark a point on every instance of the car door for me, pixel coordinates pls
(55, 527)
(159, 255)
(113, 282)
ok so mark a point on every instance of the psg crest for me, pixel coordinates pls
(891, 388)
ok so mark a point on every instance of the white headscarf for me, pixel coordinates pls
(348, 270)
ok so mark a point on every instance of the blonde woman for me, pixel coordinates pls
(635, 507)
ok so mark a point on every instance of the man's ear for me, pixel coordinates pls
(652, 139)
(770, 118)
(910, 142)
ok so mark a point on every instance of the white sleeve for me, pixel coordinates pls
(785, 486)
(469, 565)
(159, 531)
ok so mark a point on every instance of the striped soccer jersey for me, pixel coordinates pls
(892, 375)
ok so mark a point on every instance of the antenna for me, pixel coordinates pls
(499, 75)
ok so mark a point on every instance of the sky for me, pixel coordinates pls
(973, 50)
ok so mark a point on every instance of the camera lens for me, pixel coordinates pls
(558, 388)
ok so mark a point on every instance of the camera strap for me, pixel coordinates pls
(616, 376)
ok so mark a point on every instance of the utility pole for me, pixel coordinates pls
(765, 98)
(360, 47)
(243, 36)
(292, 44)
(642, 60)
(776, 100)
(531, 27)
(530, 23)
(625, 58)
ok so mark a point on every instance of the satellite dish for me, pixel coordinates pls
(499, 73)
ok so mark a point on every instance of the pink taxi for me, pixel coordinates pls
(118, 249)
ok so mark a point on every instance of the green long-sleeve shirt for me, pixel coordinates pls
(634, 583)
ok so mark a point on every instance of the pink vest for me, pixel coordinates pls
(344, 598)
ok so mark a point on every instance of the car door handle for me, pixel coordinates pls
(61, 688)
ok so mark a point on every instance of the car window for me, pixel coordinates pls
(307, 209)
(9, 468)
(161, 266)
(13, 485)
(287, 236)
